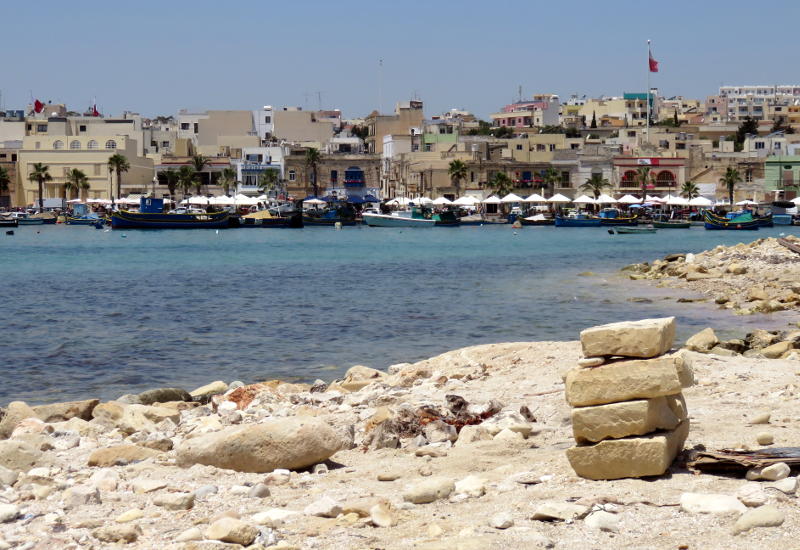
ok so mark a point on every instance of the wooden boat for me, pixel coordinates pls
(625, 230)
(48, 218)
(672, 225)
(536, 220)
(478, 219)
(264, 218)
(740, 223)
(765, 221)
(84, 220)
(8, 222)
(151, 215)
(389, 220)
(30, 221)
(613, 217)
(577, 220)
(343, 215)
(447, 218)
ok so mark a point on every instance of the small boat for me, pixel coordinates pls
(577, 220)
(478, 219)
(49, 218)
(672, 225)
(89, 219)
(613, 217)
(393, 220)
(343, 215)
(151, 215)
(538, 219)
(265, 218)
(446, 218)
(765, 221)
(9, 222)
(745, 222)
(625, 230)
(30, 221)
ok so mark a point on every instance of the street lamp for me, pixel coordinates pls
(155, 182)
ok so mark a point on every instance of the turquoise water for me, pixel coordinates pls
(90, 313)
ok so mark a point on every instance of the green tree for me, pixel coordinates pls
(76, 181)
(501, 184)
(361, 132)
(550, 178)
(780, 126)
(749, 126)
(172, 177)
(268, 181)
(119, 164)
(5, 180)
(458, 172)
(313, 158)
(227, 179)
(186, 178)
(595, 184)
(645, 179)
(40, 174)
(199, 163)
(675, 120)
(502, 132)
(552, 129)
(729, 180)
(593, 124)
(690, 190)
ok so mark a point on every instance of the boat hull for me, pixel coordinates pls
(716, 223)
(614, 222)
(135, 220)
(523, 221)
(672, 225)
(577, 222)
(383, 220)
(623, 230)
(83, 221)
(9, 223)
(30, 221)
(327, 222)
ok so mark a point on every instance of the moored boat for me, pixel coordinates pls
(479, 219)
(30, 221)
(625, 230)
(577, 220)
(343, 215)
(8, 222)
(745, 222)
(89, 219)
(538, 219)
(672, 225)
(389, 220)
(151, 215)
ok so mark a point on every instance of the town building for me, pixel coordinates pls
(294, 125)
(541, 110)
(406, 120)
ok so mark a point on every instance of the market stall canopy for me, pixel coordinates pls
(605, 199)
(494, 199)
(223, 200)
(442, 201)
(796, 200)
(74, 201)
(536, 197)
(400, 201)
(747, 202)
(657, 200)
(584, 199)
(198, 200)
(314, 201)
(245, 200)
(629, 199)
(466, 200)
(700, 201)
(677, 201)
(558, 197)
(511, 197)
(427, 200)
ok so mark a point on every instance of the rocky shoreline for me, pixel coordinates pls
(465, 450)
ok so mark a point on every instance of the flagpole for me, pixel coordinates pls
(647, 95)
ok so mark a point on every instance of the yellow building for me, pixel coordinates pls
(89, 154)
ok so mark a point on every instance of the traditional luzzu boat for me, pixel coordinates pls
(264, 218)
(396, 220)
(30, 221)
(625, 230)
(744, 222)
(151, 215)
(612, 217)
(765, 221)
(672, 224)
(577, 220)
(343, 215)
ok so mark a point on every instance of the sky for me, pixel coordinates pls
(157, 57)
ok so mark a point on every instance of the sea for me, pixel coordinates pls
(100, 313)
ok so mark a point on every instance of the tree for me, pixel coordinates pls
(227, 179)
(186, 178)
(595, 184)
(501, 184)
(780, 126)
(172, 178)
(593, 124)
(40, 174)
(675, 120)
(268, 181)
(645, 179)
(199, 163)
(550, 178)
(690, 190)
(502, 132)
(76, 181)
(747, 127)
(312, 162)
(5, 180)
(458, 172)
(119, 164)
(552, 129)
(729, 180)
(361, 132)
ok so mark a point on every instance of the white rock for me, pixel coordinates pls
(751, 495)
(325, 507)
(471, 486)
(701, 503)
(501, 520)
(508, 435)
(143, 486)
(105, 479)
(80, 495)
(765, 438)
(559, 510)
(764, 516)
(603, 521)
(438, 431)
(787, 486)
(774, 472)
(381, 515)
(510, 420)
(589, 362)
(8, 512)
(471, 434)
(429, 490)
(192, 533)
(273, 518)
(175, 501)
(278, 477)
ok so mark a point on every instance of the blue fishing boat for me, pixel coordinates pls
(613, 217)
(344, 214)
(151, 215)
(81, 215)
(744, 222)
(577, 220)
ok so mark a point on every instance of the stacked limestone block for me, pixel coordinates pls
(629, 417)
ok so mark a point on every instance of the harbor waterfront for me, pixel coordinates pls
(91, 313)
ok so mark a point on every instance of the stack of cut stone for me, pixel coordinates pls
(629, 417)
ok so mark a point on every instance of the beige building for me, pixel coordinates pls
(226, 133)
(87, 153)
(408, 117)
(294, 125)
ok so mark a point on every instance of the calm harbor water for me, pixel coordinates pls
(90, 313)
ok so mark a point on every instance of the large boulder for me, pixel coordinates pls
(288, 443)
(777, 350)
(164, 395)
(61, 412)
(204, 393)
(703, 341)
(622, 381)
(639, 417)
(645, 338)
(359, 376)
(15, 413)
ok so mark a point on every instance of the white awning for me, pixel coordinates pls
(223, 200)
(536, 197)
(629, 199)
(606, 199)
(747, 202)
(198, 200)
(442, 201)
(558, 197)
(584, 199)
(511, 197)
(677, 201)
(466, 201)
(700, 201)
(494, 199)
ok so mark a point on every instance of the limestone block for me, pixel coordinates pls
(703, 341)
(649, 455)
(645, 338)
(622, 381)
(639, 417)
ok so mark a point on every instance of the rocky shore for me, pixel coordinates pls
(760, 277)
(466, 450)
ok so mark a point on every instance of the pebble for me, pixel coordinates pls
(507, 434)
(130, 515)
(603, 521)
(765, 438)
(761, 418)
(206, 490)
(175, 501)
(232, 530)
(143, 486)
(429, 490)
(471, 486)
(278, 477)
(501, 520)
(80, 495)
(752, 495)
(787, 486)
(273, 518)
(8, 512)
(773, 472)
(381, 515)
(702, 503)
(587, 362)
(763, 516)
(117, 533)
(325, 507)
(559, 510)
(425, 470)
(389, 476)
(259, 490)
(434, 531)
(192, 533)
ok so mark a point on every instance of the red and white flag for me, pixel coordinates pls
(95, 112)
(38, 106)
(651, 60)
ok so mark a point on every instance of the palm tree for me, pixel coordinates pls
(458, 172)
(268, 181)
(186, 177)
(730, 179)
(119, 164)
(199, 162)
(173, 177)
(501, 184)
(596, 184)
(645, 179)
(76, 181)
(5, 180)
(312, 161)
(227, 179)
(690, 190)
(40, 174)
(550, 178)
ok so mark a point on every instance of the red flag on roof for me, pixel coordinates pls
(38, 106)
(95, 112)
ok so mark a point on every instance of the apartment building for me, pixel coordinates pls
(407, 120)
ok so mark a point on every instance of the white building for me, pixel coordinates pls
(263, 122)
(254, 163)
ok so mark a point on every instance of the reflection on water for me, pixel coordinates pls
(88, 313)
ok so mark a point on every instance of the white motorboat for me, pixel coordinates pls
(395, 220)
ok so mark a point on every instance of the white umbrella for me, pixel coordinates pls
(652, 198)
(441, 201)
(535, 198)
(425, 200)
(606, 199)
(245, 200)
(584, 199)
(314, 201)
(722, 202)
(700, 201)
(74, 201)
(677, 201)
(746, 202)
(400, 201)
(494, 199)
(558, 197)
(200, 200)
(629, 199)
(796, 200)
(466, 200)
(223, 200)
(262, 198)
(511, 197)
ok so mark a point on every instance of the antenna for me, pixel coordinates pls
(380, 85)
(319, 101)
(519, 93)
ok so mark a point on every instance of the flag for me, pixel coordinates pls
(95, 112)
(38, 106)
(653, 62)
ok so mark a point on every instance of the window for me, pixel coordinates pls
(92, 144)
(334, 176)
(267, 119)
(38, 145)
(41, 127)
(196, 127)
(2, 155)
(292, 175)
(153, 143)
(631, 133)
(428, 147)
(58, 144)
(165, 144)
(565, 178)
(82, 128)
(748, 175)
(519, 147)
(778, 145)
(540, 147)
(472, 176)
(552, 146)
(74, 144)
(97, 169)
(111, 144)
(759, 145)
(184, 125)
(665, 178)
(13, 157)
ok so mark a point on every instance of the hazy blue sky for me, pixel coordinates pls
(156, 57)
